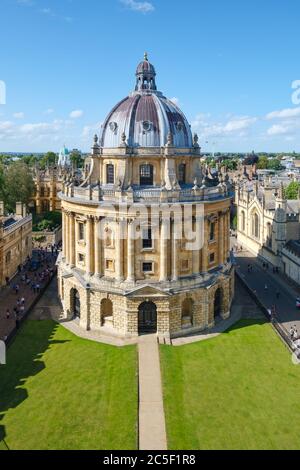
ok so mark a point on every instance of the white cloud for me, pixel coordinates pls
(284, 128)
(236, 126)
(89, 131)
(77, 113)
(19, 115)
(142, 7)
(46, 11)
(287, 113)
(49, 111)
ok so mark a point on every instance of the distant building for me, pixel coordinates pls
(48, 184)
(15, 241)
(267, 222)
(64, 158)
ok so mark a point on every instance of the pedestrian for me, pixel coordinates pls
(266, 287)
(295, 334)
(277, 294)
(292, 333)
(22, 301)
(7, 314)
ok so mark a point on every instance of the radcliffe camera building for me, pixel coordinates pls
(146, 159)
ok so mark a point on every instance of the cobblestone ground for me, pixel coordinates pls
(9, 299)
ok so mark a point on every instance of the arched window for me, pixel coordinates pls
(255, 225)
(243, 221)
(212, 231)
(182, 173)
(108, 238)
(187, 308)
(146, 175)
(110, 174)
(269, 235)
(106, 312)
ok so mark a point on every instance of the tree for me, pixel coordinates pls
(76, 158)
(292, 190)
(274, 164)
(18, 185)
(230, 164)
(262, 163)
(49, 159)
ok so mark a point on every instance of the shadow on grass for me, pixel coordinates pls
(23, 361)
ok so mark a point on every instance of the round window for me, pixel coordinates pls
(147, 126)
(113, 126)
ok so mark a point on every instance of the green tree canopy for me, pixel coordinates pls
(292, 190)
(76, 158)
(17, 185)
(262, 163)
(49, 159)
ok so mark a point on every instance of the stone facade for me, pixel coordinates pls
(48, 184)
(266, 220)
(15, 241)
(129, 265)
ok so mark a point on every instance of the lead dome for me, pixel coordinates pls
(146, 118)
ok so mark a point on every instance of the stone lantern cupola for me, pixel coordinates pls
(145, 76)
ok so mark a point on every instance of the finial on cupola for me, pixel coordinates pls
(146, 56)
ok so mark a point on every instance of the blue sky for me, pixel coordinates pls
(229, 64)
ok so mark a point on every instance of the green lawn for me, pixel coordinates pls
(239, 390)
(62, 392)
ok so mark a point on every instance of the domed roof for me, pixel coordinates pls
(145, 66)
(145, 117)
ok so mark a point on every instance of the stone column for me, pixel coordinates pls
(130, 251)
(164, 251)
(119, 251)
(63, 234)
(98, 247)
(205, 248)
(221, 237)
(67, 235)
(175, 252)
(89, 246)
(72, 240)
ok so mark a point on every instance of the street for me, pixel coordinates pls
(258, 278)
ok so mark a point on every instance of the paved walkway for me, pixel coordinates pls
(152, 427)
(285, 305)
(9, 299)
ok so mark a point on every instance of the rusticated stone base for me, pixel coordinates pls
(121, 310)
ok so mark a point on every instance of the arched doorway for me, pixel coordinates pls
(187, 313)
(218, 303)
(106, 312)
(147, 318)
(75, 303)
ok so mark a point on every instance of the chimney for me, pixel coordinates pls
(1, 209)
(19, 209)
(24, 210)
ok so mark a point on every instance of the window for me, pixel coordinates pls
(212, 258)
(212, 232)
(147, 238)
(109, 264)
(181, 173)
(81, 258)
(81, 231)
(8, 257)
(255, 225)
(243, 221)
(146, 175)
(147, 267)
(110, 174)
(185, 265)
